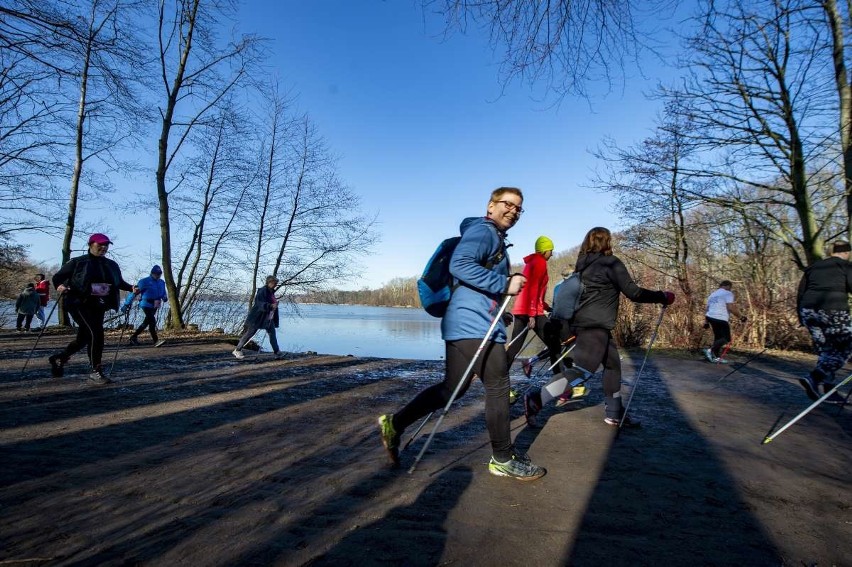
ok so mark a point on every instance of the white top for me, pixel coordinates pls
(717, 304)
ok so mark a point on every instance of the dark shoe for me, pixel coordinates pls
(531, 409)
(526, 366)
(133, 340)
(159, 343)
(810, 387)
(835, 397)
(98, 377)
(390, 438)
(518, 467)
(628, 423)
(56, 364)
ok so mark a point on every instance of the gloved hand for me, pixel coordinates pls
(669, 297)
(706, 325)
(124, 308)
(743, 319)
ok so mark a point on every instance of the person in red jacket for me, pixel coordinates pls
(530, 309)
(42, 287)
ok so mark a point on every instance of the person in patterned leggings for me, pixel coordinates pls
(822, 304)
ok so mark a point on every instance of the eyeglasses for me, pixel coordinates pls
(511, 206)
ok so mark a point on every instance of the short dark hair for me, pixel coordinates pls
(725, 283)
(840, 246)
(41, 276)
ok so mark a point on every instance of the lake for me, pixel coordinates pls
(360, 330)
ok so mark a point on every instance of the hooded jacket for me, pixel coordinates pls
(480, 289)
(78, 275)
(825, 285)
(530, 301)
(604, 278)
(264, 304)
(27, 302)
(151, 289)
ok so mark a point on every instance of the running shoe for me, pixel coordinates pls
(563, 399)
(835, 397)
(531, 409)
(708, 354)
(390, 438)
(160, 343)
(56, 366)
(279, 355)
(98, 377)
(810, 387)
(628, 423)
(238, 354)
(133, 340)
(513, 396)
(720, 360)
(518, 467)
(526, 366)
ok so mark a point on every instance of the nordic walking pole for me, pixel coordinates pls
(641, 368)
(462, 381)
(769, 438)
(521, 334)
(41, 332)
(564, 354)
(416, 431)
(741, 366)
(120, 337)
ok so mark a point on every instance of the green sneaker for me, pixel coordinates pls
(513, 396)
(390, 438)
(519, 467)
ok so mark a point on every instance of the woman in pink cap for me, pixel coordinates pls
(90, 286)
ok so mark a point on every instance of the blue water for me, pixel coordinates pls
(359, 330)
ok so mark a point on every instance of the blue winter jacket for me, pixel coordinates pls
(480, 290)
(150, 290)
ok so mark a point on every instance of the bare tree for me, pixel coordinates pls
(564, 43)
(756, 95)
(197, 74)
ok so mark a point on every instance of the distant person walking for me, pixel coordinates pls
(481, 266)
(42, 287)
(263, 314)
(822, 303)
(26, 307)
(151, 292)
(720, 307)
(605, 277)
(91, 285)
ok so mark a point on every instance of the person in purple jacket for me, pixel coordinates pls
(471, 311)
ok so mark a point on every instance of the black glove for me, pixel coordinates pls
(743, 319)
(706, 325)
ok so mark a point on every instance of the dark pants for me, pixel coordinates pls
(150, 322)
(28, 317)
(721, 335)
(831, 332)
(492, 370)
(90, 333)
(250, 332)
(542, 329)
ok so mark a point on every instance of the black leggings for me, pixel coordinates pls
(90, 333)
(491, 369)
(721, 335)
(596, 347)
(150, 322)
(544, 332)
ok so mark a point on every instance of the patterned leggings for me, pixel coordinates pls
(831, 332)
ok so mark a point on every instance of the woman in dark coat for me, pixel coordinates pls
(262, 315)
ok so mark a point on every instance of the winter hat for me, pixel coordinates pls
(543, 244)
(840, 246)
(156, 269)
(99, 238)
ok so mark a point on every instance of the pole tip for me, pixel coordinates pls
(766, 440)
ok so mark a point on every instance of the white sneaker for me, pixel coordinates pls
(238, 353)
(160, 343)
(709, 355)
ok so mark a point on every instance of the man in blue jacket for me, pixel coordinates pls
(480, 266)
(152, 293)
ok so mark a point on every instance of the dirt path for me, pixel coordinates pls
(194, 458)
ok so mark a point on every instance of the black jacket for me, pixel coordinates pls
(262, 306)
(604, 278)
(78, 274)
(825, 285)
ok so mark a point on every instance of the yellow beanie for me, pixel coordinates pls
(543, 244)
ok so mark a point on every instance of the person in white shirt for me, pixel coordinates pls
(720, 307)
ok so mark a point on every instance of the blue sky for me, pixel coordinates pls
(425, 130)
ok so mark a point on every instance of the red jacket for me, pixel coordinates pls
(531, 299)
(43, 290)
